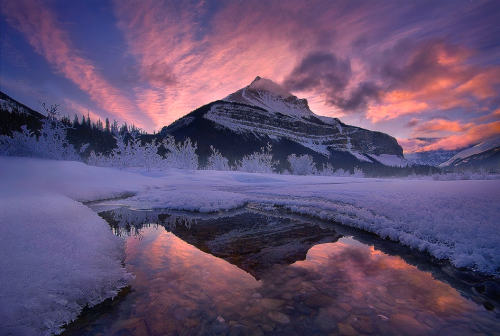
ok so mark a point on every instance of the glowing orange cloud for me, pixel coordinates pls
(473, 135)
(41, 27)
(436, 126)
(396, 104)
(436, 76)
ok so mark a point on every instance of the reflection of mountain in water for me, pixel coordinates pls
(249, 240)
(255, 242)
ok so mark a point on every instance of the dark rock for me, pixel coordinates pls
(318, 300)
(326, 324)
(182, 314)
(123, 332)
(488, 305)
(301, 308)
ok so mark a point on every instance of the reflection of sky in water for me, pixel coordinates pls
(341, 288)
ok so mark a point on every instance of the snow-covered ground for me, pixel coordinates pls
(59, 255)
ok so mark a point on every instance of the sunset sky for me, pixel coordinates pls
(408, 68)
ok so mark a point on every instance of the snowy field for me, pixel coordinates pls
(59, 255)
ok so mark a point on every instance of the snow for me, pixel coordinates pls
(58, 255)
(358, 155)
(455, 220)
(62, 256)
(479, 148)
(272, 97)
(391, 160)
(218, 113)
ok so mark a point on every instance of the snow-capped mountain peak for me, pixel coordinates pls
(272, 97)
(264, 112)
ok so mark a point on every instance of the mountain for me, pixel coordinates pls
(485, 154)
(264, 112)
(10, 105)
(431, 158)
(13, 115)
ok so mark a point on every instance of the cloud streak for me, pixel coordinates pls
(42, 29)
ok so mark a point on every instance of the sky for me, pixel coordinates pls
(425, 72)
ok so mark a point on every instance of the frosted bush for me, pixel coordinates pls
(216, 161)
(358, 172)
(258, 162)
(129, 153)
(327, 170)
(99, 160)
(302, 165)
(181, 155)
(51, 144)
(481, 174)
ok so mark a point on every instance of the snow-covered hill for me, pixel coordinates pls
(265, 112)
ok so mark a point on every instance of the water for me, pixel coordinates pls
(252, 273)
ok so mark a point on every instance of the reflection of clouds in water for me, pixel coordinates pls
(375, 277)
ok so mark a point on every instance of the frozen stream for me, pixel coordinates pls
(253, 273)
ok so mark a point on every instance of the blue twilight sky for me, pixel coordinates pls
(408, 68)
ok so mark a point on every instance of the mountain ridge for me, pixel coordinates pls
(263, 112)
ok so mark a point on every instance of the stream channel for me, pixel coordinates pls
(256, 272)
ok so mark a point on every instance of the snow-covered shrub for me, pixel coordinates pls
(99, 160)
(481, 174)
(258, 162)
(302, 165)
(327, 170)
(181, 155)
(129, 153)
(51, 144)
(341, 173)
(358, 172)
(216, 161)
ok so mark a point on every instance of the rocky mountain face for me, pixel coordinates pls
(263, 112)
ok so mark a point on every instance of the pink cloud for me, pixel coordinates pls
(43, 31)
(432, 76)
(471, 136)
(436, 127)
(411, 145)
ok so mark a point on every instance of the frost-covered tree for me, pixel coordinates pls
(258, 162)
(327, 170)
(302, 165)
(128, 153)
(181, 155)
(50, 144)
(216, 161)
(358, 172)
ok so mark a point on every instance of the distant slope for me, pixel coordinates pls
(485, 154)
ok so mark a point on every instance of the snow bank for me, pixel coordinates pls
(188, 199)
(456, 220)
(58, 255)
